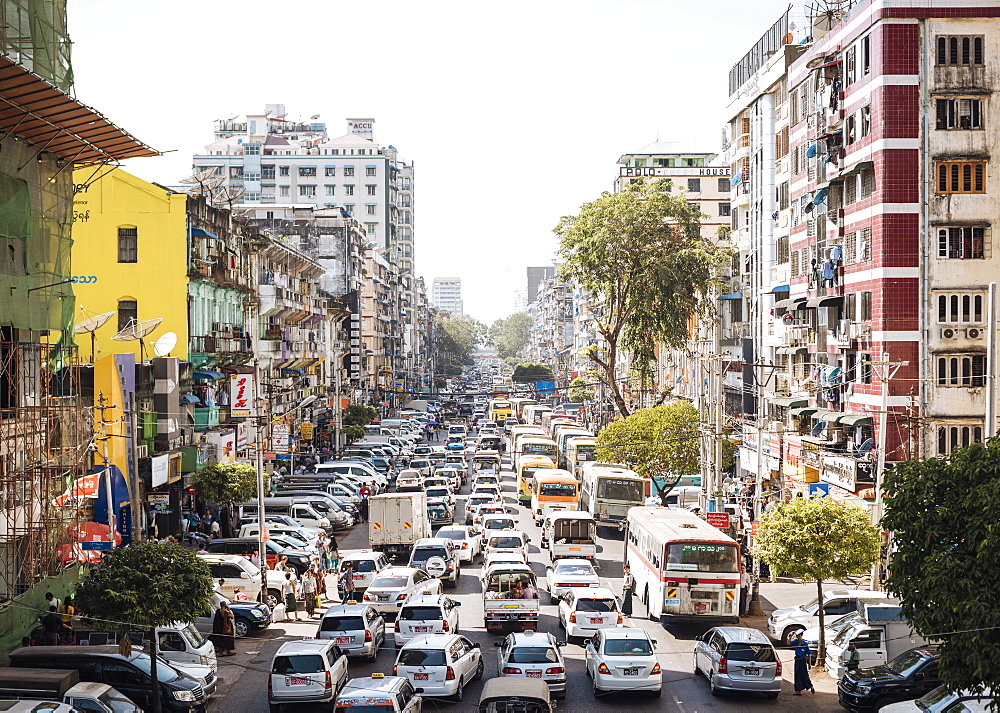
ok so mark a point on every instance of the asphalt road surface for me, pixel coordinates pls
(243, 678)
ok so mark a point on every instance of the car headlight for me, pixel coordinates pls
(864, 689)
(184, 695)
(257, 614)
(205, 661)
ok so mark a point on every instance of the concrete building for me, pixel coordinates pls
(535, 277)
(446, 295)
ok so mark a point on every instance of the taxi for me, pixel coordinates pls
(366, 565)
(393, 585)
(386, 694)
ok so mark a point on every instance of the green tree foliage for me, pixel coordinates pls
(511, 335)
(654, 442)
(944, 515)
(227, 482)
(817, 539)
(579, 390)
(143, 586)
(529, 373)
(354, 433)
(359, 415)
(641, 254)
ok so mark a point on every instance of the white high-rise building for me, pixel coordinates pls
(446, 294)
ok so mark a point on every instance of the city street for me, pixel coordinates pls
(244, 678)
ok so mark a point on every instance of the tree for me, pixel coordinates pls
(511, 335)
(143, 586)
(359, 415)
(226, 482)
(943, 513)
(530, 373)
(354, 433)
(654, 442)
(817, 539)
(579, 391)
(641, 256)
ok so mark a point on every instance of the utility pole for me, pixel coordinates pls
(885, 370)
(102, 406)
(991, 350)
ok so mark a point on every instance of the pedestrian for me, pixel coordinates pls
(288, 590)
(851, 657)
(282, 565)
(218, 587)
(255, 559)
(224, 631)
(802, 654)
(216, 529)
(347, 583)
(628, 589)
(363, 509)
(309, 592)
(52, 626)
(744, 590)
(320, 579)
(52, 600)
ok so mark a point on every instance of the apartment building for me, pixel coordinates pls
(446, 295)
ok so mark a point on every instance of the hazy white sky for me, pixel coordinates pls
(514, 113)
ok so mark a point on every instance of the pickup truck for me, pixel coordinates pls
(503, 608)
(880, 634)
(43, 684)
(572, 533)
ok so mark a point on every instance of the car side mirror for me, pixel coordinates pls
(588, 642)
(475, 644)
(457, 604)
(560, 643)
(244, 575)
(918, 677)
(653, 642)
(418, 690)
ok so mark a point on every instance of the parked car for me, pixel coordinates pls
(426, 614)
(623, 659)
(356, 628)
(246, 547)
(440, 664)
(532, 654)
(736, 658)
(941, 700)
(910, 675)
(785, 622)
(306, 671)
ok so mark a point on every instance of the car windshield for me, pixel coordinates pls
(621, 489)
(627, 647)
(421, 657)
(164, 671)
(451, 534)
(533, 654)
(193, 636)
(437, 509)
(702, 557)
(503, 524)
(389, 582)
(558, 489)
(303, 663)
(506, 542)
(906, 663)
(742, 651)
(334, 622)
(359, 565)
(574, 569)
(117, 702)
(421, 613)
(933, 699)
(600, 605)
(480, 501)
(437, 492)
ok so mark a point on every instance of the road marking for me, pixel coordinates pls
(678, 702)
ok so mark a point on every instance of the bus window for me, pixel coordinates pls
(702, 557)
(620, 489)
(558, 489)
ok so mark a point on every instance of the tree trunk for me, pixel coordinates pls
(822, 623)
(157, 702)
(609, 371)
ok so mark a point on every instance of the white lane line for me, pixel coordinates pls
(678, 702)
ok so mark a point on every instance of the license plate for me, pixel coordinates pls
(631, 671)
(574, 549)
(358, 577)
(420, 676)
(296, 681)
(382, 597)
(344, 639)
(596, 621)
(512, 617)
(751, 672)
(534, 674)
(701, 607)
(420, 629)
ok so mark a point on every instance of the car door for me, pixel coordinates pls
(592, 652)
(468, 657)
(870, 644)
(338, 666)
(566, 605)
(838, 607)
(129, 681)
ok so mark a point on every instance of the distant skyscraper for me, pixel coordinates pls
(520, 300)
(536, 275)
(446, 294)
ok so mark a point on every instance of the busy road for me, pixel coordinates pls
(244, 677)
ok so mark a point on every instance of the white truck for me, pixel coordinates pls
(572, 533)
(880, 634)
(396, 521)
(46, 688)
(510, 597)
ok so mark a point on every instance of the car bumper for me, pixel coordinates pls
(853, 702)
(613, 683)
(586, 631)
(727, 684)
(466, 555)
(386, 607)
(318, 697)
(367, 649)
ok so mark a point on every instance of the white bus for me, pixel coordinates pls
(684, 568)
(608, 490)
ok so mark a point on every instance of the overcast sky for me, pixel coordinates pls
(514, 113)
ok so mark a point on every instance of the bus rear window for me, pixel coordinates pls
(538, 448)
(702, 557)
(620, 489)
(558, 489)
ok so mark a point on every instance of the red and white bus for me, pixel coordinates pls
(684, 568)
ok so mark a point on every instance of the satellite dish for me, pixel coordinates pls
(165, 344)
(91, 325)
(228, 194)
(199, 177)
(137, 330)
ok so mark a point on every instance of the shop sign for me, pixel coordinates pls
(750, 437)
(159, 499)
(160, 469)
(279, 438)
(842, 472)
(241, 395)
(748, 460)
(718, 519)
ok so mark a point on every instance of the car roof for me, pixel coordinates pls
(531, 638)
(361, 555)
(341, 609)
(595, 593)
(426, 599)
(431, 641)
(303, 646)
(742, 633)
(431, 541)
(364, 687)
(399, 571)
(574, 561)
(625, 632)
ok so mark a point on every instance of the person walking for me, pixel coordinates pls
(347, 583)
(802, 654)
(363, 508)
(628, 589)
(288, 590)
(851, 657)
(309, 589)
(224, 630)
(52, 627)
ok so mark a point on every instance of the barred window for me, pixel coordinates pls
(961, 308)
(783, 195)
(128, 244)
(957, 50)
(867, 183)
(959, 113)
(962, 243)
(955, 436)
(795, 263)
(782, 249)
(850, 190)
(865, 245)
(128, 313)
(961, 177)
(968, 370)
(850, 248)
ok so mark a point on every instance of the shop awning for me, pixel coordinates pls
(190, 399)
(828, 416)
(824, 301)
(855, 419)
(731, 296)
(789, 401)
(791, 304)
(205, 233)
(205, 374)
(792, 350)
(779, 288)
(39, 113)
(806, 411)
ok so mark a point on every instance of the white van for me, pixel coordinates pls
(302, 512)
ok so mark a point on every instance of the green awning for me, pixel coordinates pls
(792, 350)
(828, 416)
(855, 419)
(789, 401)
(800, 412)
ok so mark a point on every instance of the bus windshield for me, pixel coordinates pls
(620, 489)
(585, 453)
(545, 449)
(557, 489)
(702, 557)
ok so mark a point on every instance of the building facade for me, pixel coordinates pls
(446, 295)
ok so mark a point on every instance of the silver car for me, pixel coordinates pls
(735, 658)
(356, 628)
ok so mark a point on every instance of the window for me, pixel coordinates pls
(251, 197)
(960, 308)
(370, 229)
(348, 170)
(694, 185)
(267, 172)
(128, 313)
(867, 182)
(865, 368)
(959, 113)
(963, 243)
(236, 172)
(724, 185)
(128, 244)
(371, 189)
(953, 437)
(961, 177)
(967, 370)
(850, 248)
(850, 67)
(866, 307)
(783, 195)
(724, 209)
(640, 163)
(865, 245)
(372, 208)
(794, 268)
(330, 171)
(957, 50)
(663, 162)
(850, 190)
(252, 149)
(349, 189)
(866, 54)
(850, 306)
(283, 170)
(251, 176)
(782, 249)
(307, 191)
(851, 130)
(369, 170)
(283, 190)
(866, 120)
(307, 171)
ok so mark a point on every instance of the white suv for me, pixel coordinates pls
(306, 671)
(440, 664)
(426, 614)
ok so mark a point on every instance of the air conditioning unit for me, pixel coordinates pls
(142, 451)
(973, 333)
(861, 331)
(949, 333)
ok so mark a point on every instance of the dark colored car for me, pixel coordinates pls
(907, 677)
(247, 546)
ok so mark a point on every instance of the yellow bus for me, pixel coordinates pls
(500, 410)
(526, 468)
(538, 446)
(553, 490)
(579, 450)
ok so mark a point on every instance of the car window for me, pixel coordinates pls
(421, 657)
(333, 654)
(120, 674)
(302, 663)
(533, 654)
(456, 650)
(421, 613)
(334, 622)
(419, 577)
(870, 639)
(838, 607)
(718, 643)
(596, 605)
(389, 582)
(742, 651)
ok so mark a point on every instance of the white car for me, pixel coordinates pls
(585, 612)
(567, 575)
(531, 654)
(366, 565)
(513, 542)
(393, 585)
(496, 521)
(442, 493)
(488, 488)
(467, 538)
(486, 479)
(452, 475)
(483, 511)
(501, 558)
(440, 664)
(426, 614)
(437, 480)
(473, 502)
(623, 660)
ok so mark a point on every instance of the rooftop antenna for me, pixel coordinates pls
(165, 344)
(90, 326)
(204, 182)
(137, 330)
(228, 195)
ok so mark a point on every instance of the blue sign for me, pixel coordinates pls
(283, 456)
(819, 490)
(95, 545)
(545, 387)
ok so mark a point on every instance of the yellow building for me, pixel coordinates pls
(130, 257)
